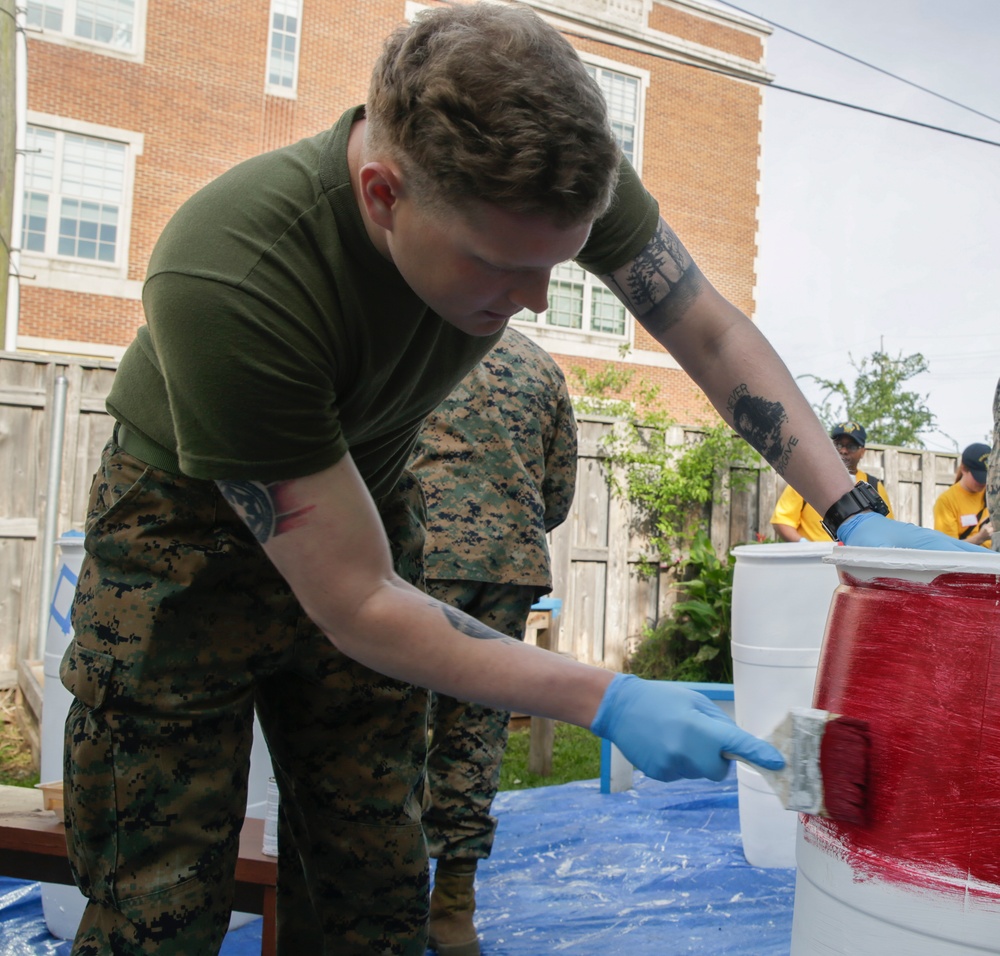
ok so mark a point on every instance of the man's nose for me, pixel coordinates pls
(531, 291)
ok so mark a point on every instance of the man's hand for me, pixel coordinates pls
(982, 535)
(785, 532)
(869, 530)
(670, 732)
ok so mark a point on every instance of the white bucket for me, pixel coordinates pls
(62, 905)
(781, 596)
(910, 647)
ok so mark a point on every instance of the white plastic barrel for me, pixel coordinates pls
(911, 648)
(781, 597)
(62, 905)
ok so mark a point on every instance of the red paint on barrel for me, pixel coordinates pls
(919, 663)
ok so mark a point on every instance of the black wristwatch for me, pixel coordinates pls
(862, 497)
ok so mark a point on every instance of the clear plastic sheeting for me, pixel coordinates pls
(658, 869)
(655, 870)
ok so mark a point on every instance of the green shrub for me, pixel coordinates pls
(693, 642)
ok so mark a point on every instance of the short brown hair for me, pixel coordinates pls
(487, 101)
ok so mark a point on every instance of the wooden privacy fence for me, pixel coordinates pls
(597, 552)
(27, 385)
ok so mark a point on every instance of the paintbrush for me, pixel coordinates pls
(827, 765)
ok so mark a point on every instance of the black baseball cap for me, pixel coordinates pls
(975, 458)
(851, 430)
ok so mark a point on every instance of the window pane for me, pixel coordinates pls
(92, 186)
(93, 169)
(284, 43)
(39, 169)
(45, 14)
(566, 296)
(39, 159)
(106, 21)
(83, 179)
(607, 314)
(36, 212)
(87, 230)
(621, 93)
(565, 306)
(625, 134)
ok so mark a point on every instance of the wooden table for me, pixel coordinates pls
(33, 847)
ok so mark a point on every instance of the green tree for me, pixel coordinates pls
(891, 414)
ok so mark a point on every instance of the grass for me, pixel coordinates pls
(576, 755)
(16, 767)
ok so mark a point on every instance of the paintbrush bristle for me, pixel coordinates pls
(827, 764)
(844, 763)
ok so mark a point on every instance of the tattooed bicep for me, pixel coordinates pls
(268, 509)
(659, 283)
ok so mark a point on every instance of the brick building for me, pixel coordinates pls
(135, 104)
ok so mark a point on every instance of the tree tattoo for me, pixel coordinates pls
(659, 283)
(759, 422)
(267, 509)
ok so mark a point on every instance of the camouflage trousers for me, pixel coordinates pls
(182, 626)
(463, 769)
(468, 740)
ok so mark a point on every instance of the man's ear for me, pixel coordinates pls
(381, 188)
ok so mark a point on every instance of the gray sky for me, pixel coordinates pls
(874, 232)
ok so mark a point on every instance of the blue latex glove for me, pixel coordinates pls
(670, 732)
(870, 530)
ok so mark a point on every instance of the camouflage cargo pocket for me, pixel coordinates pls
(88, 770)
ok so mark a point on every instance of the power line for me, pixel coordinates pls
(892, 116)
(680, 61)
(870, 66)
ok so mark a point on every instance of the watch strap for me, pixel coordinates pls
(862, 497)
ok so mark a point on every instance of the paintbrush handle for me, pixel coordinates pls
(743, 760)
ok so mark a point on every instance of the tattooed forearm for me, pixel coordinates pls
(268, 509)
(659, 283)
(759, 422)
(469, 626)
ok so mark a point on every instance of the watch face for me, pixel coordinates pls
(874, 499)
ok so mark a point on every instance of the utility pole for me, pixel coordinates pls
(8, 126)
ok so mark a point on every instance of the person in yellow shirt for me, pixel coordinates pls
(794, 519)
(961, 511)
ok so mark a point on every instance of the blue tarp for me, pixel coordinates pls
(654, 871)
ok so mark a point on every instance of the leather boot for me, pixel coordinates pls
(453, 901)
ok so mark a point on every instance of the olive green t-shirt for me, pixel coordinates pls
(278, 338)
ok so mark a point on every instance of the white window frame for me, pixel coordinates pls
(279, 89)
(85, 275)
(67, 37)
(584, 341)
